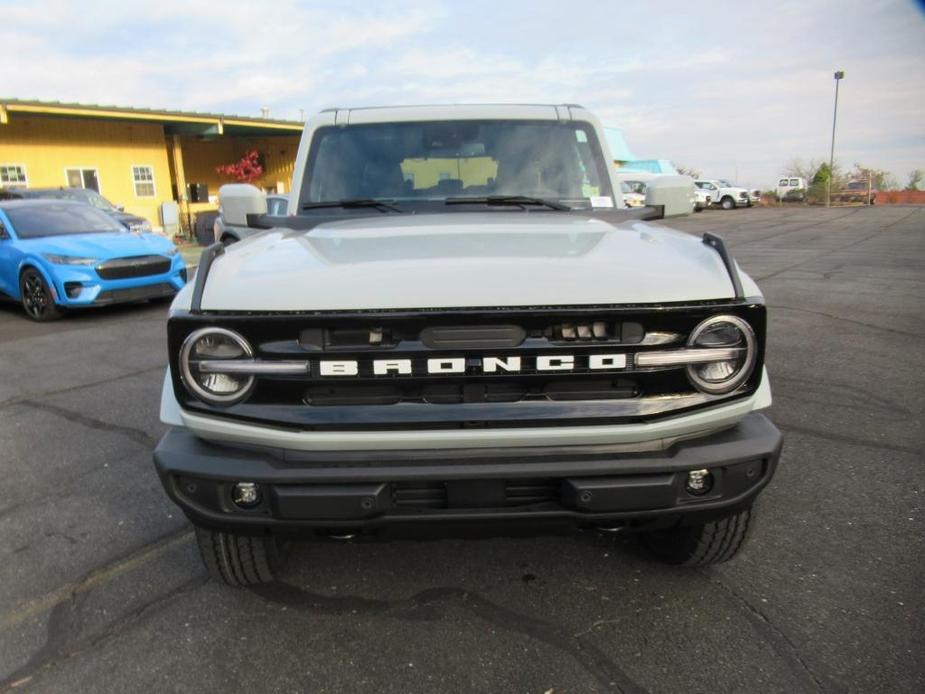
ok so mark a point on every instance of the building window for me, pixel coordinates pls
(13, 175)
(83, 178)
(143, 176)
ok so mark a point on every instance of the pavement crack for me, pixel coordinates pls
(70, 389)
(824, 254)
(849, 440)
(137, 435)
(64, 625)
(832, 316)
(778, 639)
(96, 577)
(431, 604)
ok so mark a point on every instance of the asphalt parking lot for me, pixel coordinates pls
(101, 588)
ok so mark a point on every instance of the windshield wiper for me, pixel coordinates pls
(520, 200)
(354, 203)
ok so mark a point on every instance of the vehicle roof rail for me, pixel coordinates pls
(202, 274)
(717, 243)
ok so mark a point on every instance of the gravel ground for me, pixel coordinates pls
(101, 588)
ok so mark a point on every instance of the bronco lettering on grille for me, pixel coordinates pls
(470, 365)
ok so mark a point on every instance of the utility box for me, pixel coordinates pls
(674, 194)
(170, 218)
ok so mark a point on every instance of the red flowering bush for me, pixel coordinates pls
(246, 170)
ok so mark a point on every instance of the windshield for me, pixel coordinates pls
(33, 221)
(433, 161)
(88, 196)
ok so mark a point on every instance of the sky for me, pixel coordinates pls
(735, 90)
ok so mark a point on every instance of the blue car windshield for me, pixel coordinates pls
(35, 221)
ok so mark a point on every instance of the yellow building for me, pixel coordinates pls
(138, 158)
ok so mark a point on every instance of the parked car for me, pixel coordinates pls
(230, 225)
(85, 195)
(634, 193)
(640, 182)
(501, 348)
(856, 192)
(57, 254)
(791, 188)
(702, 199)
(723, 193)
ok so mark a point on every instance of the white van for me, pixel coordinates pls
(791, 188)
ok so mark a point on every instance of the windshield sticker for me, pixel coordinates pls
(601, 201)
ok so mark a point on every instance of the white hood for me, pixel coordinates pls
(460, 260)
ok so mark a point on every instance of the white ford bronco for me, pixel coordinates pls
(457, 328)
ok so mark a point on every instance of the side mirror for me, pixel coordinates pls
(674, 194)
(237, 200)
(4, 234)
(120, 208)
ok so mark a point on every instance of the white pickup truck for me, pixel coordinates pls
(457, 328)
(724, 194)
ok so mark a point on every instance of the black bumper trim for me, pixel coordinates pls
(594, 486)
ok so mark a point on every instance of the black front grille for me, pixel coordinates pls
(472, 396)
(151, 291)
(137, 266)
(455, 392)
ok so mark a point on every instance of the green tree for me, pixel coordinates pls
(822, 175)
(915, 179)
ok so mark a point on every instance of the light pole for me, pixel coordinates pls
(839, 75)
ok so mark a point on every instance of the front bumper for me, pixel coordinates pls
(342, 492)
(78, 287)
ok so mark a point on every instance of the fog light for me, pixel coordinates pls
(699, 482)
(245, 494)
(73, 289)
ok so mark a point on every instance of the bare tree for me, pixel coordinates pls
(915, 179)
(880, 179)
(688, 171)
(805, 170)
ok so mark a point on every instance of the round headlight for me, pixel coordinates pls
(200, 367)
(723, 332)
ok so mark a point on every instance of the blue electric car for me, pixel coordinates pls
(57, 254)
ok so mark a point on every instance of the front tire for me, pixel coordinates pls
(240, 560)
(728, 203)
(36, 297)
(704, 544)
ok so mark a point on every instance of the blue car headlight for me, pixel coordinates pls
(69, 259)
(171, 252)
(142, 227)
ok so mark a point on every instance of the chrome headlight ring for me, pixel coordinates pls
(742, 370)
(193, 383)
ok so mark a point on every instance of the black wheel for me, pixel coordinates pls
(708, 543)
(37, 299)
(728, 203)
(240, 560)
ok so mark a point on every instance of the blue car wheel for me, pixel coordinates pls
(37, 299)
